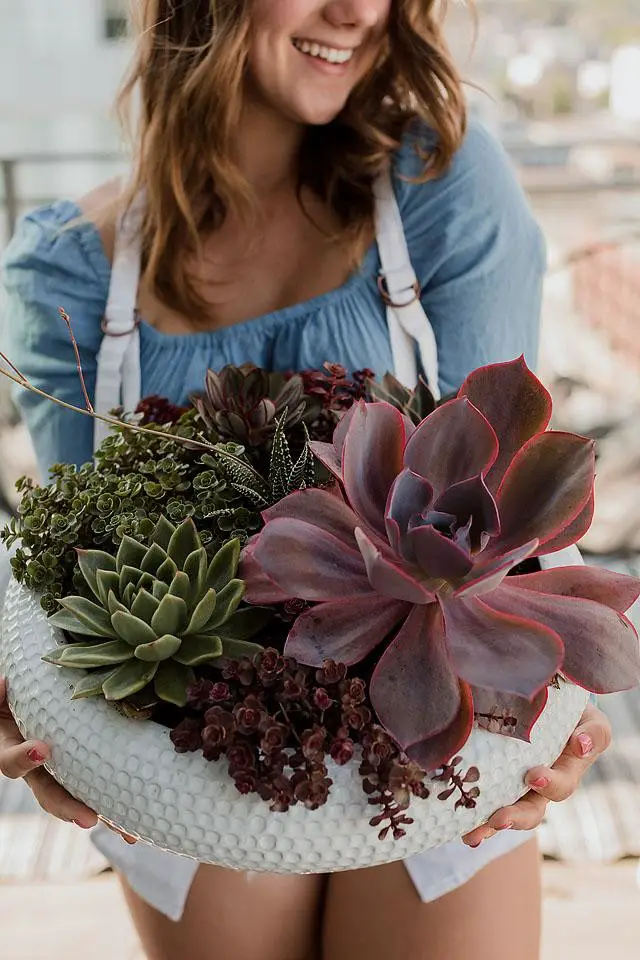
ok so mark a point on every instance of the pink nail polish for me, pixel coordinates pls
(474, 845)
(34, 755)
(586, 744)
(540, 783)
(506, 826)
(83, 826)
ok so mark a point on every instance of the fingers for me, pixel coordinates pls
(55, 800)
(20, 759)
(592, 736)
(526, 814)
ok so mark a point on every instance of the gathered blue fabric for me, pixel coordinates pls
(477, 251)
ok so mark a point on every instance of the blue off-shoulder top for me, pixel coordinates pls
(474, 244)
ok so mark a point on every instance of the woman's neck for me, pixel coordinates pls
(267, 148)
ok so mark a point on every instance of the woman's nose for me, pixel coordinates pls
(357, 13)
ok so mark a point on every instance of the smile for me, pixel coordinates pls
(329, 54)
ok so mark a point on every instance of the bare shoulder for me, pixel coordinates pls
(101, 207)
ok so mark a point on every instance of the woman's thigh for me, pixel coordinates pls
(377, 914)
(235, 916)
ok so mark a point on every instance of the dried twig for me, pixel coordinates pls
(67, 319)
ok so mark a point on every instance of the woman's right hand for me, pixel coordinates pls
(23, 760)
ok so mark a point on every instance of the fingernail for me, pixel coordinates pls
(586, 744)
(35, 756)
(506, 826)
(129, 840)
(83, 826)
(475, 845)
(540, 783)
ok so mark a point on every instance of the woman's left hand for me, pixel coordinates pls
(588, 741)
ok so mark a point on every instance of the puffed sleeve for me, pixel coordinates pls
(54, 262)
(478, 253)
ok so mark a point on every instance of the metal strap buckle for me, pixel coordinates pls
(384, 293)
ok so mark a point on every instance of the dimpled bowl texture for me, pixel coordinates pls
(129, 773)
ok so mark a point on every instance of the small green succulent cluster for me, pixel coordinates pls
(159, 608)
(415, 404)
(136, 479)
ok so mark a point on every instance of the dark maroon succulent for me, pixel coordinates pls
(407, 561)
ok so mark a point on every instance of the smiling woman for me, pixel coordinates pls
(303, 177)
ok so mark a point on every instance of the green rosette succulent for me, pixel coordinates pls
(161, 608)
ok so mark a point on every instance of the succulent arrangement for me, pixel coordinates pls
(160, 608)
(224, 568)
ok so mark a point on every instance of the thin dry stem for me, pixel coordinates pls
(23, 382)
(67, 319)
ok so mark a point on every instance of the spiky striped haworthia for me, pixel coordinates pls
(160, 608)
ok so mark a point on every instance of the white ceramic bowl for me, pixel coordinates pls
(130, 774)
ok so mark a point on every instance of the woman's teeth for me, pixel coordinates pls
(330, 54)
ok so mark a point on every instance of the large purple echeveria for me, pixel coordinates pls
(411, 563)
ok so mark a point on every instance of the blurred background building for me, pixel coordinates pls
(559, 83)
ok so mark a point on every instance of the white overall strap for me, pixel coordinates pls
(400, 290)
(118, 374)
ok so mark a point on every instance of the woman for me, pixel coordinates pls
(264, 127)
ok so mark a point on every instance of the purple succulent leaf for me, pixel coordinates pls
(433, 753)
(452, 444)
(602, 652)
(503, 650)
(262, 413)
(213, 387)
(437, 555)
(372, 459)
(328, 456)
(548, 483)
(410, 494)
(471, 499)
(414, 689)
(309, 563)
(488, 573)
(345, 631)
(389, 578)
(505, 708)
(574, 532)
(515, 403)
(323, 508)
(259, 587)
(615, 590)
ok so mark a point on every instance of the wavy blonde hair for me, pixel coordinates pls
(188, 73)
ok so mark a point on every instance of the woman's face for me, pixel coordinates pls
(306, 56)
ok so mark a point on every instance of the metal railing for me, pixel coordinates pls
(12, 201)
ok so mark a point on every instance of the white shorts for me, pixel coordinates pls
(164, 879)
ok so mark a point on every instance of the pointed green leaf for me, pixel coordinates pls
(160, 589)
(162, 533)
(126, 576)
(183, 542)
(113, 604)
(245, 623)
(202, 613)
(170, 617)
(63, 620)
(180, 586)
(167, 571)
(107, 580)
(130, 553)
(199, 649)
(144, 606)
(129, 595)
(195, 567)
(227, 602)
(128, 679)
(90, 563)
(90, 614)
(91, 685)
(131, 629)
(161, 649)
(85, 656)
(224, 565)
(153, 559)
(146, 581)
(172, 681)
(236, 649)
